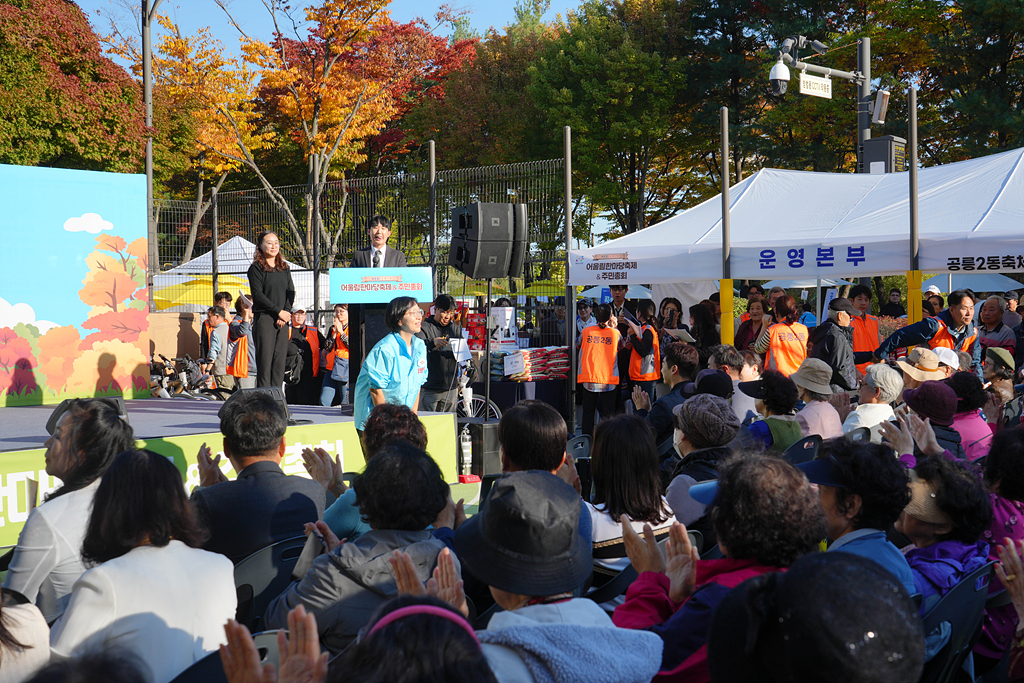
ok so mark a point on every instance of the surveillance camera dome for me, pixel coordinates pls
(779, 77)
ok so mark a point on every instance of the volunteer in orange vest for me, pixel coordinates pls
(865, 325)
(223, 300)
(645, 359)
(599, 372)
(335, 387)
(952, 329)
(241, 349)
(308, 340)
(784, 342)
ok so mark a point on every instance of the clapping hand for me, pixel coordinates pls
(445, 584)
(993, 409)
(301, 659)
(209, 469)
(841, 402)
(641, 399)
(644, 553)
(1010, 571)
(897, 435)
(681, 567)
(452, 515)
(323, 469)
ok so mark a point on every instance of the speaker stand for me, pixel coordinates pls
(487, 353)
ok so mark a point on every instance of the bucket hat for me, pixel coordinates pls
(922, 364)
(814, 375)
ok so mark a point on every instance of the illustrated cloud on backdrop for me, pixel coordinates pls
(91, 223)
(12, 314)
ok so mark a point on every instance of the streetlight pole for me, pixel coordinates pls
(147, 97)
(863, 100)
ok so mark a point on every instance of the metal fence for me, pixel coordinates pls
(183, 279)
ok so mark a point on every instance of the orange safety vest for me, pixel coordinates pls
(944, 338)
(314, 343)
(598, 346)
(787, 347)
(745, 317)
(647, 368)
(865, 336)
(239, 365)
(340, 350)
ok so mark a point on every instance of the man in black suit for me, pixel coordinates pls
(262, 505)
(378, 255)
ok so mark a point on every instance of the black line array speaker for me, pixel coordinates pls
(488, 240)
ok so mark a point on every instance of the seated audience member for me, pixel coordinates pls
(24, 641)
(108, 666)
(747, 332)
(533, 436)
(775, 396)
(154, 593)
(949, 361)
(975, 432)
(526, 545)
(262, 505)
(1011, 317)
(705, 425)
(949, 509)
(387, 421)
(966, 361)
(753, 366)
(997, 368)
(937, 402)
(799, 623)
(727, 359)
(818, 416)
(678, 368)
(48, 558)
(863, 491)
(708, 381)
(920, 365)
(880, 387)
(832, 342)
(400, 493)
(416, 639)
(626, 485)
(1003, 476)
(765, 517)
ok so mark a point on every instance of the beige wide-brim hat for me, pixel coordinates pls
(923, 503)
(814, 375)
(922, 364)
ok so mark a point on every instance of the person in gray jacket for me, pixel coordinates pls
(400, 493)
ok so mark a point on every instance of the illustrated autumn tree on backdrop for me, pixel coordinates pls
(107, 361)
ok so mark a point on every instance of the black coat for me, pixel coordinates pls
(830, 344)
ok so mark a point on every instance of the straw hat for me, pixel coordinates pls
(922, 364)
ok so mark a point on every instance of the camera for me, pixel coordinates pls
(779, 77)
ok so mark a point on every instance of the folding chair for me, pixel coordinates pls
(803, 450)
(263, 576)
(962, 608)
(859, 434)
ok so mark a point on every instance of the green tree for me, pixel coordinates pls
(64, 104)
(609, 75)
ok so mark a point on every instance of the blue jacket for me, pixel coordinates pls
(872, 544)
(924, 331)
(399, 369)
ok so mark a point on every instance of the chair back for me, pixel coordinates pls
(210, 669)
(860, 434)
(579, 446)
(485, 486)
(586, 474)
(803, 450)
(713, 553)
(616, 547)
(665, 448)
(962, 608)
(263, 576)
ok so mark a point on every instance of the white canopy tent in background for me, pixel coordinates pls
(798, 224)
(234, 258)
(979, 282)
(804, 284)
(632, 292)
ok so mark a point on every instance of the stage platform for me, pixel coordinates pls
(177, 428)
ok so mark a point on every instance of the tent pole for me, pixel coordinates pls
(725, 286)
(914, 279)
(817, 301)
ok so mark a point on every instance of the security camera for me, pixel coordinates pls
(779, 76)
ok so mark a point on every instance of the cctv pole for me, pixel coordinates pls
(863, 100)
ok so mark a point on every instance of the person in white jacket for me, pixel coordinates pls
(154, 593)
(881, 386)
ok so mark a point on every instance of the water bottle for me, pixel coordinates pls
(466, 443)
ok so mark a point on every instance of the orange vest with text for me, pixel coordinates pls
(646, 368)
(865, 336)
(787, 347)
(314, 344)
(944, 338)
(239, 365)
(340, 350)
(598, 347)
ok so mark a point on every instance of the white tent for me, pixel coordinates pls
(979, 282)
(234, 258)
(797, 224)
(804, 284)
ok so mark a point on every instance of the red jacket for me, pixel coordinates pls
(684, 627)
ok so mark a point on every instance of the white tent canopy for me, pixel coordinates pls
(797, 224)
(804, 284)
(979, 282)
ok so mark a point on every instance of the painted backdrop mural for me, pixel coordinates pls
(73, 303)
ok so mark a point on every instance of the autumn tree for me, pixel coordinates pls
(610, 77)
(64, 104)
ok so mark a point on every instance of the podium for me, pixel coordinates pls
(368, 291)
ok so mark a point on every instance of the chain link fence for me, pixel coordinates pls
(188, 265)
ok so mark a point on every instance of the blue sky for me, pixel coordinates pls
(251, 15)
(48, 266)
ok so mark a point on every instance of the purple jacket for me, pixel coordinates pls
(941, 565)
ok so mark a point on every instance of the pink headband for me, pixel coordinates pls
(425, 609)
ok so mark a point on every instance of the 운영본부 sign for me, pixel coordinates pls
(380, 285)
(817, 86)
